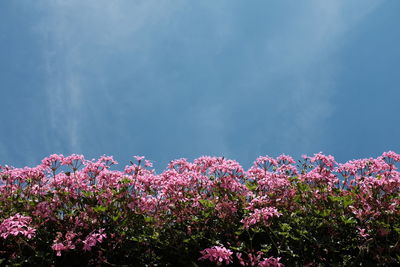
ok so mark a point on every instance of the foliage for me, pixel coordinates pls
(70, 211)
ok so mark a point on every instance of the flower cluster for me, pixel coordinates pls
(59, 245)
(17, 225)
(217, 254)
(260, 215)
(271, 262)
(92, 239)
(275, 213)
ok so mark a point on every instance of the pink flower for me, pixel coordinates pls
(323, 160)
(139, 158)
(92, 239)
(58, 247)
(70, 159)
(390, 157)
(260, 215)
(217, 254)
(53, 162)
(265, 162)
(271, 262)
(17, 225)
(362, 232)
(285, 159)
(240, 258)
(108, 160)
(67, 244)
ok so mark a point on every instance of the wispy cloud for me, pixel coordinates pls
(70, 30)
(117, 71)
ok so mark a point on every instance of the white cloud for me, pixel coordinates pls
(299, 51)
(70, 29)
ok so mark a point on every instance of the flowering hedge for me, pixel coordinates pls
(69, 211)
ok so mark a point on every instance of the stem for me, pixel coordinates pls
(273, 242)
(250, 238)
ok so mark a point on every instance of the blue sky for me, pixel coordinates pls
(172, 79)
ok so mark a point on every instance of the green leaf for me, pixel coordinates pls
(239, 232)
(324, 213)
(334, 198)
(347, 201)
(347, 220)
(87, 193)
(266, 248)
(116, 217)
(251, 185)
(206, 203)
(125, 181)
(148, 219)
(100, 208)
(285, 227)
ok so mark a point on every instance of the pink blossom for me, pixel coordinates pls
(17, 225)
(362, 232)
(180, 165)
(240, 258)
(260, 215)
(92, 239)
(191, 194)
(139, 158)
(217, 254)
(285, 159)
(67, 244)
(73, 159)
(265, 162)
(58, 247)
(148, 163)
(52, 162)
(323, 160)
(271, 262)
(390, 157)
(108, 160)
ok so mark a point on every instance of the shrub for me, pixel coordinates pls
(70, 211)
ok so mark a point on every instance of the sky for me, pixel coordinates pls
(183, 79)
